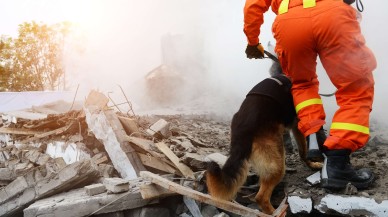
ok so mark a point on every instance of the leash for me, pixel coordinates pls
(275, 59)
(271, 56)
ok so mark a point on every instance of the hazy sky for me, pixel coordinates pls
(122, 40)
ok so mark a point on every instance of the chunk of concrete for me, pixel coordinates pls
(160, 128)
(315, 178)
(95, 189)
(154, 211)
(107, 128)
(300, 205)
(219, 158)
(6, 174)
(116, 185)
(70, 152)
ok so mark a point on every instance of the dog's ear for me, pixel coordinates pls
(275, 69)
(271, 48)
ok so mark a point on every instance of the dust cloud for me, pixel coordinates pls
(127, 45)
(123, 42)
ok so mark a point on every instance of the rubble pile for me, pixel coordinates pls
(99, 162)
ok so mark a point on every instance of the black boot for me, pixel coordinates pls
(337, 171)
(315, 144)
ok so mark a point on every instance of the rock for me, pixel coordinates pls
(116, 185)
(95, 189)
(154, 211)
(315, 178)
(209, 211)
(300, 205)
(216, 157)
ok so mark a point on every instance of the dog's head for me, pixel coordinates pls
(276, 70)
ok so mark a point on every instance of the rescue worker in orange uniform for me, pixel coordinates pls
(305, 29)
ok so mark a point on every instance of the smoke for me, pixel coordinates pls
(127, 45)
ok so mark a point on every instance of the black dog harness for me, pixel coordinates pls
(278, 88)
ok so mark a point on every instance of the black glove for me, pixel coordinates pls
(349, 2)
(255, 51)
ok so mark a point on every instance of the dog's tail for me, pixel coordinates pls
(224, 183)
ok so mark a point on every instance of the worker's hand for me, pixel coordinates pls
(349, 2)
(255, 51)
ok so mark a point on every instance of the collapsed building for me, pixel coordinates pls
(99, 162)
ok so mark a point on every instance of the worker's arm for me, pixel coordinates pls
(253, 18)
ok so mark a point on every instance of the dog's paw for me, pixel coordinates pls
(314, 165)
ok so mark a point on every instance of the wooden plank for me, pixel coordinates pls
(201, 197)
(130, 125)
(54, 132)
(144, 144)
(147, 146)
(49, 133)
(155, 163)
(153, 191)
(7, 130)
(186, 171)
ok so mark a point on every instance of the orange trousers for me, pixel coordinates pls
(331, 31)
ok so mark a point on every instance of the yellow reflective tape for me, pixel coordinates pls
(348, 126)
(308, 103)
(309, 3)
(283, 8)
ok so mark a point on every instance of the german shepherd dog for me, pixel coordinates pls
(257, 131)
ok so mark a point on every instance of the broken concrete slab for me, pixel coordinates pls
(107, 128)
(70, 152)
(32, 186)
(77, 203)
(315, 178)
(300, 205)
(124, 161)
(352, 205)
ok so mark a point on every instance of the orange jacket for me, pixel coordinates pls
(254, 18)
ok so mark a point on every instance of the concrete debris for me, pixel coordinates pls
(219, 158)
(70, 152)
(315, 178)
(160, 129)
(352, 206)
(35, 185)
(95, 189)
(106, 126)
(300, 205)
(98, 162)
(77, 203)
(116, 185)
